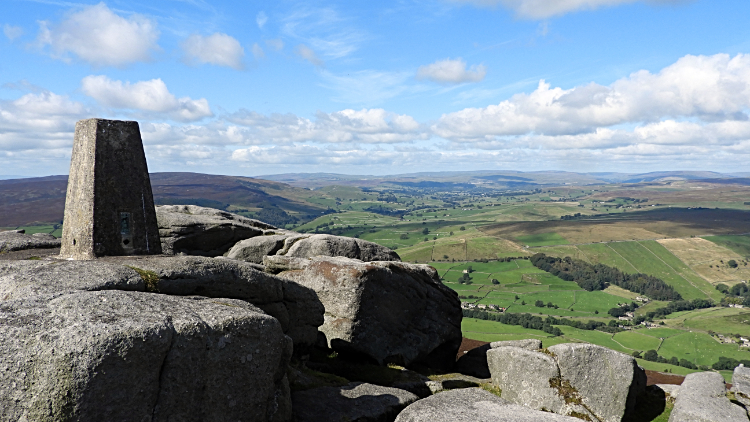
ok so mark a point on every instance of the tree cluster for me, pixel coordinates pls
(679, 306)
(598, 277)
(653, 356)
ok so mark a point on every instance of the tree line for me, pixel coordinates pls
(598, 277)
(537, 323)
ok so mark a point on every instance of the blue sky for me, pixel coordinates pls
(252, 88)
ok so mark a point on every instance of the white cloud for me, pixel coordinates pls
(12, 32)
(261, 18)
(708, 88)
(275, 44)
(100, 37)
(451, 71)
(369, 126)
(308, 54)
(36, 132)
(258, 52)
(150, 96)
(541, 9)
(217, 49)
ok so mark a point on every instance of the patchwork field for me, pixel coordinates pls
(709, 260)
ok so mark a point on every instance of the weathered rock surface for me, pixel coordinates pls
(607, 381)
(388, 311)
(474, 362)
(310, 245)
(473, 405)
(16, 240)
(353, 402)
(297, 308)
(528, 344)
(741, 384)
(195, 230)
(569, 379)
(702, 398)
(117, 356)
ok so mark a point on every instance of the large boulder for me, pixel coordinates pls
(703, 398)
(297, 308)
(353, 402)
(474, 362)
(741, 384)
(117, 356)
(310, 245)
(195, 230)
(473, 405)
(16, 240)
(607, 381)
(570, 379)
(387, 311)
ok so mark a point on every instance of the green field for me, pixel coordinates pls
(55, 230)
(649, 257)
(739, 244)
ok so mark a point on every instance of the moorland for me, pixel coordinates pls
(691, 230)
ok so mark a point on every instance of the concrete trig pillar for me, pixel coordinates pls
(109, 207)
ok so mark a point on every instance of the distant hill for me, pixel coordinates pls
(497, 179)
(42, 199)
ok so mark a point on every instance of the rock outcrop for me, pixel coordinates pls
(569, 379)
(473, 405)
(474, 363)
(741, 384)
(388, 311)
(195, 230)
(702, 398)
(353, 402)
(297, 308)
(310, 245)
(116, 355)
(16, 240)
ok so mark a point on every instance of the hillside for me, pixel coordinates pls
(42, 200)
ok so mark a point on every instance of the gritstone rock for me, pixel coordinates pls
(117, 356)
(474, 362)
(473, 405)
(528, 344)
(195, 230)
(741, 384)
(310, 245)
(702, 398)
(353, 402)
(388, 311)
(569, 379)
(16, 240)
(297, 308)
(607, 381)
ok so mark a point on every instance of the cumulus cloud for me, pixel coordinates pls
(371, 126)
(12, 32)
(308, 54)
(708, 88)
(36, 132)
(217, 49)
(542, 9)
(100, 37)
(150, 96)
(449, 71)
(261, 18)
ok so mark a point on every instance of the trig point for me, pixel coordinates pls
(109, 207)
